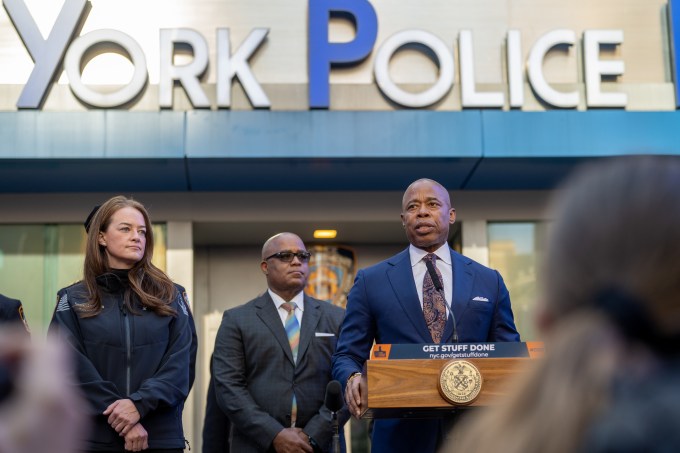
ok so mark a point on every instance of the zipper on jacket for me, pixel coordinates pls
(128, 350)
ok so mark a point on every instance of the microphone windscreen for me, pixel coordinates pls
(334, 400)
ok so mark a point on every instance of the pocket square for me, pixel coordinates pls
(323, 334)
(480, 299)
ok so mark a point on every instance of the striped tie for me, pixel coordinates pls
(293, 332)
(292, 328)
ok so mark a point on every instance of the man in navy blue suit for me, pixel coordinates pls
(385, 305)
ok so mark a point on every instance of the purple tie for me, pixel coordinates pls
(434, 306)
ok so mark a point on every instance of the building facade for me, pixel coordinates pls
(234, 120)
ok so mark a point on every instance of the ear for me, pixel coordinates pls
(101, 239)
(452, 216)
(403, 222)
(263, 267)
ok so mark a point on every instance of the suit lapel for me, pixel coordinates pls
(266, 311)
(310, 319)
(400, 276)
(462, 284)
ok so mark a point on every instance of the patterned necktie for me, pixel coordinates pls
(293, 332)
(292, 327)
(434, 306)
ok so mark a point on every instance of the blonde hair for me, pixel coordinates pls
(153, 288)
(617, 226)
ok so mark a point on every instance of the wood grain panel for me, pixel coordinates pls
(409, 387)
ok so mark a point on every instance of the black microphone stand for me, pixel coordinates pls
(334, 403)
(335, 448)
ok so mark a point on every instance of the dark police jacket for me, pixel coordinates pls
(11, 312)
(144, 357)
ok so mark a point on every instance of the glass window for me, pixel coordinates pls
(38, 260)
(515, 250)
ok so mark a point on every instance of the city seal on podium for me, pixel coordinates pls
(459, 382)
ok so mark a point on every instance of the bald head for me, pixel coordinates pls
(272, 244)
(285, 277)
(427, 182)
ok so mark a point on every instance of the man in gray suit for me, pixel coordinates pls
(272, 359)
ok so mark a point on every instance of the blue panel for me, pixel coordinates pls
(538, 173)
(92, 175)
(316, 150)
(17, 134)
(324, 174)
(580, 134)
(144, 134)
(34, 134)
(69, 134)
(326, 134)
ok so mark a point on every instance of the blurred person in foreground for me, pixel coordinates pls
(130, 330)
(272, 359)
(610, 318)
(397, 301)
(40, 409)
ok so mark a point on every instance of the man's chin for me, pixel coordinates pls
(297, 285)
(426, 245)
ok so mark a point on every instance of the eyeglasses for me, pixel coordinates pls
(287, 257)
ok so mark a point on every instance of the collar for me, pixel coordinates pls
(114, 280)
(299, 299)
(443, 253)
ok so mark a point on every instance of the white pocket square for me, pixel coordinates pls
(323, 334)
(481, 299)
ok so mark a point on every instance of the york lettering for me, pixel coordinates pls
(62, 45)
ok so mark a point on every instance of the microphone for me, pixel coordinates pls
(333, 399)
(334, 403)
(439, 287)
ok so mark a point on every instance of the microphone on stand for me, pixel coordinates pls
(334, 403)
(439, 287)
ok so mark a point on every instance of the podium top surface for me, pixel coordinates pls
(450, 351)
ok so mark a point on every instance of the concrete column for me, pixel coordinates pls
(180, 268)
(476, 241)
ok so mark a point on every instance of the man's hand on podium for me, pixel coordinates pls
(353, 394)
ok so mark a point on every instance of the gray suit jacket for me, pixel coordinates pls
(254, 372)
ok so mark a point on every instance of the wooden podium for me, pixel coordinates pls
(401, 381)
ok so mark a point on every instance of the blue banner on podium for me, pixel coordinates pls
(449, 351)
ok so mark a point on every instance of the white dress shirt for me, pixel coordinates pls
(299, 300)
(444, 265)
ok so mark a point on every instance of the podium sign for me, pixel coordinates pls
(403, 380)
